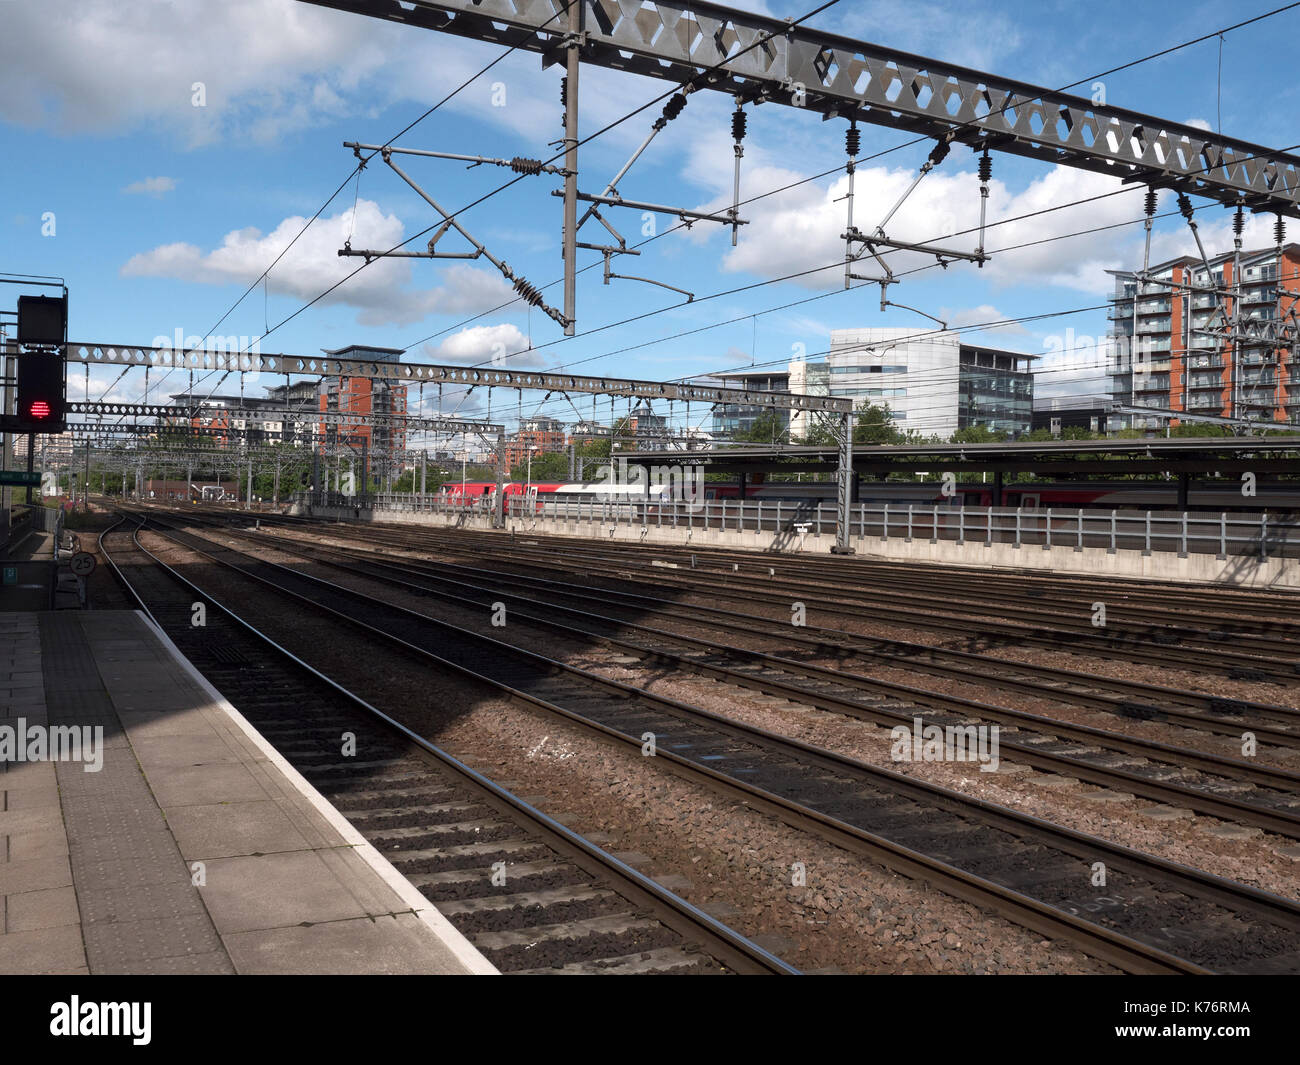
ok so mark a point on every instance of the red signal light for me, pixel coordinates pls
(39, 409)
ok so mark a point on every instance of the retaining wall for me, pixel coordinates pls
(1093, 561)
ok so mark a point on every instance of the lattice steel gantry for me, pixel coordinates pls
(837, 76)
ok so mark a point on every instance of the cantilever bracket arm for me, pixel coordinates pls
(658, 208)
(818, 72)
(608, 252)
(527, 292)
(904, 307)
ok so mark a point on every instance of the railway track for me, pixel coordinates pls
(1270, 723)
(749, 579)
(1154, 916)
(1243, 792)
(531, 894)
(933, 605)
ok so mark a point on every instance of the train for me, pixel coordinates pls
(1279, 499)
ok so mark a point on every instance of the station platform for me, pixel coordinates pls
(181, 841)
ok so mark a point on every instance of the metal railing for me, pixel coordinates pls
(1227, 534)
(396, 502)
(1223, 534)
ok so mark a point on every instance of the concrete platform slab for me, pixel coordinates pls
(382, 946)
(190, 845)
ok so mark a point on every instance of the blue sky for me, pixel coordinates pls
(164, 212)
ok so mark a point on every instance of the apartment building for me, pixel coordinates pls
(1220, 342)
(383, 400)
(540, 436)
(244, 419)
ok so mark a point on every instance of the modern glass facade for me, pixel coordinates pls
(732, 418)
(995, 389)
(934, 384)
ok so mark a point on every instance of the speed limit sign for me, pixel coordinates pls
(82, 564)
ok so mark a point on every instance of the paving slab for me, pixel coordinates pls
(173, 839)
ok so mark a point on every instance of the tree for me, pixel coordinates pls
(978, 434)
(1200, 429)
(768, 428)
(551, 466)
(435, 477)
(821, 433)
(591, 456)
(872, 424)
(875, 425)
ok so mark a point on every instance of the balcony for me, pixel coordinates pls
(1153, 326)
(1263, 295)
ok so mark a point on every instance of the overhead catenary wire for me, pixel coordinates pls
(758, 42)
(1112, 70)
(356, 173)
(1016, 102)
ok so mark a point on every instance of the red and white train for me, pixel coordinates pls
(483, 493)
(1082, 495)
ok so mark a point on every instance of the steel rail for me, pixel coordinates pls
(1123, 647)
(1101, 941)
(724, 944)
(1282, 822)
(985, 670)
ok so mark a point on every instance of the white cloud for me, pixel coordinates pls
(499, 345)
(1215, 227)
(1199, 123)
(383, 292)
(268, 69)
(800, 230)
(97, 64)
(984, 313)
(152, 186)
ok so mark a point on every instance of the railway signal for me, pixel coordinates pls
(41, 392)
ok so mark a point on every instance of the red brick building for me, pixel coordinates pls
(385, 441)
(541, 435)
(1175, 348)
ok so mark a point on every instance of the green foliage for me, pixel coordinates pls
(548, 467)
(768, 428)
(821, 433)
(978, 434)
(1200, 429)
(434, 478)
(872, 424)
(875, 425)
